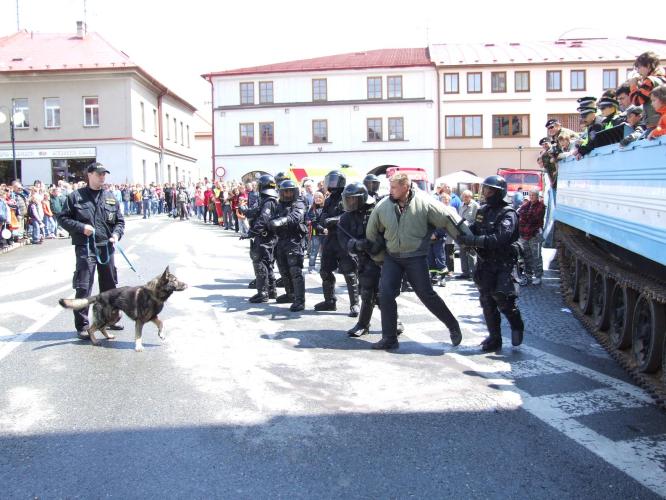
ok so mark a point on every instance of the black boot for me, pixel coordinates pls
(352, 289)
(516, 321)
(272, 293)
(358, 330)
(280, 282)
(259, 297)
(285, 298)
(516, 337)
(299, 290)
(329, 301)
(400, 328)
(491, 343)
(456, 336)
(252, 284)
(365, 314)
(386, 344)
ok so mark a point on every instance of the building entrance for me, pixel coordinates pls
(70, 170)
(7, 171)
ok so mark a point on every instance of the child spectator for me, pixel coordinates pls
(35, 219)
(634, 115)
(651, 76)
(658, 96)
(316, 228)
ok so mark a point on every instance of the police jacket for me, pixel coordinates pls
(292, 228)
(498, 225)
(355, 224)
(613, 120)
(331, 212)
(261, 216)
(407, 231)
(97, 208)
(590, 133)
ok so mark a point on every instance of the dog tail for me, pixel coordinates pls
(77, 303)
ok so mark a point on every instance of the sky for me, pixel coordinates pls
(177, 41)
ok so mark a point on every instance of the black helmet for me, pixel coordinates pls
(371, 182)
(498, 185)
(279, 177)
(288, 191)
(335, 181)
(354, 197)
(266, 185)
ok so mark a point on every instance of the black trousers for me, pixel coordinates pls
(498, 292)
(84, 278)
(449, 251)
(416, 269)
(262, 254)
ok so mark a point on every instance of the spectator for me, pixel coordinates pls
(593, 125)
(554, 128)
(622, 96)
(235, 193)
(35, 218)
(658, 96)
(49, 222)
(308, 192)
(199, 202)
(467, 211)
(182, 200)
(565, 146)
(316, 229)
(252, 195)
(449, 244)
(455, 200)
(209, 204)
(517, 198)
(634, 117)
(651, 75)
(530, 227)
(146, 201)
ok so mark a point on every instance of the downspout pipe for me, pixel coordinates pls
(160, 96)
(439, 125)
(212, 120)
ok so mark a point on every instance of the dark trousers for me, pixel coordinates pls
(498, 292)
(416, 269)
(449, 250)
(84, 277)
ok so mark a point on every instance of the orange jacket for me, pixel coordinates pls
(46, 206)
(661, 127)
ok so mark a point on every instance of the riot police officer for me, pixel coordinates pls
(494, 231)
(371, 183)
(333, 256)
(263, 241)
(95, 222)
(290, 227)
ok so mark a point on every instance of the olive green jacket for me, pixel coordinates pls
(407, 234)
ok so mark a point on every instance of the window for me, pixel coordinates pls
(474, 85)
(168, 127)
(265, 92)
(175, 132)
(182, 135)
(247, 134)
(522, 81)
(20, 105)
(394, 87)
(319, 89)
(155, 122)
(143, 117)
(511, 126)
(374, 87)
(463, 126)
(451, 83)
(319, 131)
(247, 93)
(553, 81)
(266, 134)
(578, 79)
(610, 79)
(52, 112)
(498, 81)
(374, 129)
(396, 129)
(91, 111)
(188, 136)
(570, 120)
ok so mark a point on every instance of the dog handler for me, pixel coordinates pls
(94, 220)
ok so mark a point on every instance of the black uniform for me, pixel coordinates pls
(100, 210)
(496, 229)
(291, 230)
(333, 257)
(590, 133)
(262, 247)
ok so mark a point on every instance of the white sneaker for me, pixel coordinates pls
(536, 281)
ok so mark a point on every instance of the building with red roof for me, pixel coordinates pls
(82, 100)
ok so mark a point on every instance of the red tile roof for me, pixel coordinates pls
(553, 52)
(383, 58)
(25, 52)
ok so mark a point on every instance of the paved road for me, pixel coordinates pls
(252, 401)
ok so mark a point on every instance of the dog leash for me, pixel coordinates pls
(120, 249)
(108, 253)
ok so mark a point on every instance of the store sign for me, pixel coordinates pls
(29, 154)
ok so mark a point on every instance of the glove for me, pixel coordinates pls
(351, 245)
(244, 237)
(362, 245)
(274, 224)
(470, 240)
(331, 222)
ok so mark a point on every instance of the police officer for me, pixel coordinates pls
(290, 227)
(280, 177)
(371, 183)
(610, 111)
(263, 241)
(494, 231)
(333, 256)
(95, 222)
(593, 125)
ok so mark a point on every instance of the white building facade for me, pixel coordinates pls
(361, 110)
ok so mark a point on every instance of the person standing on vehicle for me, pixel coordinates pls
(289, 225)
(493, 233)
(95, 223)
(333, 256)
(405, 221)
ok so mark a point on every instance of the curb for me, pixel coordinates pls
(13, 246)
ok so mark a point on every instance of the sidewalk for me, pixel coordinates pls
(14, 246)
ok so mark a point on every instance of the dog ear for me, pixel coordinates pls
(165, 274)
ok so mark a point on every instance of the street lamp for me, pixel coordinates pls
(13, 117)
(520, 153)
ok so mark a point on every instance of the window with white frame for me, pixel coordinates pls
(265, 92)
(175, 131)
(578, 79)
(143, 117)
(20, 105)
(451, 83)
(155, 122)
(91, 111)
(168, 131)
(474, 83)
(319, 89)
(396, 129)
(610, 79)
(246, 134)
(374, 87)
(247, 93)
(319, 131)
(463, 126)
(182, 134)
(266, 134)
(394, 87)
(188, 136)
(52, 112)
(374, 129)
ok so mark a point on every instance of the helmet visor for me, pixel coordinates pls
(352, 203)
(288, 194)
(334, 181)
(371, 186)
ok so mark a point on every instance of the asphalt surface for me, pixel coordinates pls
(252, 401)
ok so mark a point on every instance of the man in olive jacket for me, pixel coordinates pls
(405, 220)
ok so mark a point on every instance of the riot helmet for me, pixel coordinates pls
(371, 183)
(279, 177)
(335, 181)
(289, 191)
(496, 191)
(266, 185)
(354, 197)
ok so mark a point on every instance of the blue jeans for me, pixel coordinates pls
(315, 248)
(416, 269)
(49, 225)
(226, 215)
(200, 212)
(146, 208)
(37, 231)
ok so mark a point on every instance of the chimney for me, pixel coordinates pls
(79, 29)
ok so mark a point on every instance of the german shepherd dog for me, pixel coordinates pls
(141, 303)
